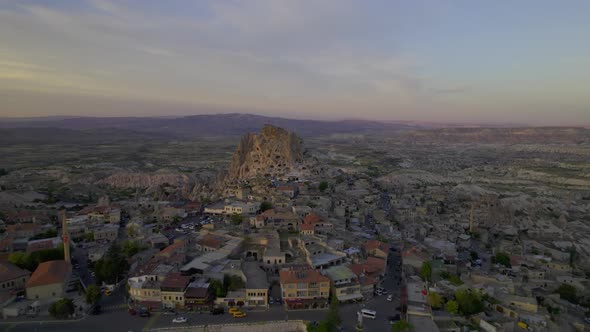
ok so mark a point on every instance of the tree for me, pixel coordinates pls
(452, 307)
(435, 300)
(474, 255)
(469, 301)
(426, 271)
(502, 258)
(92, 294)
(45, 235)
(132, 230)
(455, 280)
(130, 248)
(568, 293)
(232, 283)
(62, 309)
(216, 287)
(265, 206)
(111, 266)
(236, 218)
(323, 186)
(401, 326)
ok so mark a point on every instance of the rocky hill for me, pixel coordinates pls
(272, 152)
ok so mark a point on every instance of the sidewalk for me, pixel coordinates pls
(41, 320)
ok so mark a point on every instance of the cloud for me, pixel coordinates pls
(307, 54)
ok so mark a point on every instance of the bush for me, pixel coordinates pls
(469, 301)
(323, 186)
(62, 309)
(452, 307)
(426, 271)
(502, 258)
(568, 293)
(265, 206)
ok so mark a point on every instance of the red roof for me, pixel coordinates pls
(175, 280)
(48, 273)
(375, 244)
(172, 249)
(9, 271)
(306, 227)
(312, 218)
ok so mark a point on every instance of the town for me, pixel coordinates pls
(285, 239)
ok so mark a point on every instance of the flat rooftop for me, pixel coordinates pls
(255, 276)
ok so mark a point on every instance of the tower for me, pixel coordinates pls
(64, 236)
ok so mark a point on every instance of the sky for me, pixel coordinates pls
(525, 61)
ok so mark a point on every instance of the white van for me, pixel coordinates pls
(369, 313)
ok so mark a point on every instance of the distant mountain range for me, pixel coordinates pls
(205, 125)
(57, 130)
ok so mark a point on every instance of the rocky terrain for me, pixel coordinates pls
(274, 151)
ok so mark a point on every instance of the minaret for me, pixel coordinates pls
(64, 236)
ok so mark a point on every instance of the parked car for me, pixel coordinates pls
(217, 311)
(144, 313)
(394, 319)
(271, 301)
(233, 310)
(179, 319)
(239, 314)
(390, 298)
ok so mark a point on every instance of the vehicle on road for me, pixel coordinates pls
(389, 298)
(233, 309)
(107, 292)
(369, 313)
(179, 319)
(132, 312)
(239, 314)
(394, 319)
(271, 301)
(144, 313)
(217, 311)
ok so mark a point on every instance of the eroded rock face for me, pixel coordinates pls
(146, 180)
(274, 151)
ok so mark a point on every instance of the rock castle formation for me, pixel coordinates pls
(275, 151)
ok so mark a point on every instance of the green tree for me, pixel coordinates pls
(452, 307)
(45, 235)
(62, 309)
(474, 255)
(502, 258)
(92, 294)
(568, 293)
(232, 283)
(130, 248)
(265, 206)
(469, 301)
(132, 230)
(216, 287)
(426, 271)
(237, 218)
(112, 266)
(435, 300)
(323, 186)
(401, 326)
(455, 280)
(333, 319)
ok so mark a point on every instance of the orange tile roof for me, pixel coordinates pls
(172, 249)
(306, 227)
(375, 244)
(312, 218)
(51, 272)
(302, 275)
(210, 241)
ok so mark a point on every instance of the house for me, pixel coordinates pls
(257, 285)
(23, 230)
(172, 290)
(304, 288)
(198, 296)
(12, 277)
(248, 208)
(306, 229)
(376, 248)
(107, 233)
(43, 244)
(519, 302)
(49, 280)
(344, 284)
(145, 290)
(97, 252)
(178, 247)
(209, 243)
